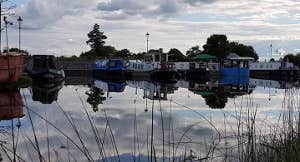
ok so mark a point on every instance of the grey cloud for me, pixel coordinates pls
(196, 2)
(152, 8)
(41, 13)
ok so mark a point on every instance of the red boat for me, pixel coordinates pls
(11, 67)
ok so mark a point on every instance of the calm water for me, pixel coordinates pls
(121, 121)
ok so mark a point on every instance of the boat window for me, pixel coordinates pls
(112, 63)
(51, 63)
(156, 58)
(38, 63)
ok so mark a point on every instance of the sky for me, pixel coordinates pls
(60, 27)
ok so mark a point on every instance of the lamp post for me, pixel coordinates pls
(20, 20)
(147, 48)
(6, 32)
(147, 35)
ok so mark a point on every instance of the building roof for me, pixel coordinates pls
(203, 57)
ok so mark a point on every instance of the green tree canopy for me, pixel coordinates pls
(217, 45)
(103, 52)
(96, 38)
(243, 50)
(175, 55)
(295, 59)
(124, 53)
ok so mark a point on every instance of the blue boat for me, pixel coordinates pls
(236, 66)
(110, 69)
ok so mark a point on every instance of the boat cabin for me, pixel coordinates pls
(43, 62)
(205, 61)
(234, 65)
(159, 59)
(274, 65)
(110, 64)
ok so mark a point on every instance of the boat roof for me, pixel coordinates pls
(234, 56)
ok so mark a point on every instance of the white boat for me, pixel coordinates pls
(155, 66)
(276, 70)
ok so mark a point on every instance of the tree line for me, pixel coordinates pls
(217, 45)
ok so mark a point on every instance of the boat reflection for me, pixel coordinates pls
(216, 92)
(277, 84)
(11, 105)
(154, 90)
(46, 93)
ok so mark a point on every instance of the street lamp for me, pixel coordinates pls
(20, 20)
(6, 32)
(147, 35)
(145, 56)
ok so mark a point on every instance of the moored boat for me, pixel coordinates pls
(43, 68)
(275, 70)
(236, 66)
(155, 67)
(11, 67)
(110, 69)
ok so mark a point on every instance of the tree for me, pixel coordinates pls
(96, 38)
(193, 51)
(217, 45)
(124, 53)
(105, 51)
(295, 59)
(243, 50)
(175, 55)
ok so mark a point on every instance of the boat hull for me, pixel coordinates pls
(235, 72)
(11, 68)
(109, 74)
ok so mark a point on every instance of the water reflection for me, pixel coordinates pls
(122, 126)
(11, 105)
(45, 93)
(154, 90)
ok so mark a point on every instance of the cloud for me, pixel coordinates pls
(43, 13)
(171, 23)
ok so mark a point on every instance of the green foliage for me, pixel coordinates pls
(96, 38)
(243, 50)
(217, 45)
(17, 50)
(24, 82)
(175, 55)
(105, 51)
(295, 59)
(124, 53)
(193, 51)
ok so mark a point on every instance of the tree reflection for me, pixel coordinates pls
(217, 100)
(95, 97)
